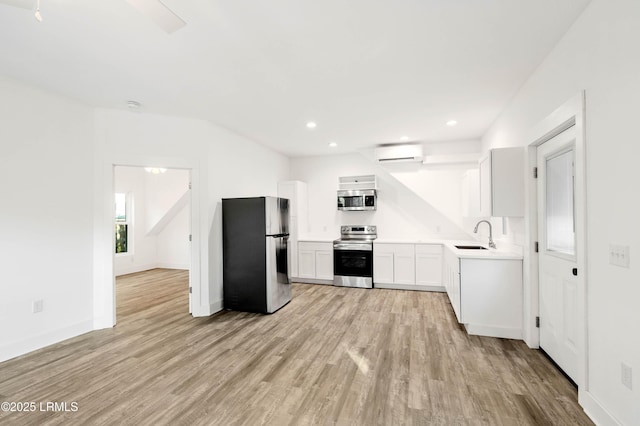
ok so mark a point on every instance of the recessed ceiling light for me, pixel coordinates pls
(404, 138)
(452, 123)
(333, 144)
(133, 105)
(311, 125)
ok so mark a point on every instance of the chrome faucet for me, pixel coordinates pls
(475, 231)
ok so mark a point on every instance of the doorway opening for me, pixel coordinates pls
(152, 251)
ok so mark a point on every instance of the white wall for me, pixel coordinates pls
(223, 164)
(163, 192)
(173, 242)
(598, 54)
(151, 197)
(236, 168)
(46, 157)
(440, 184)
(142, 254)
(401, 213)
(57, 160)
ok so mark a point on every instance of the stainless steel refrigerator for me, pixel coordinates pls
(255, 233)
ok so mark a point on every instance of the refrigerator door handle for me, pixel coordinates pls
(282, 259)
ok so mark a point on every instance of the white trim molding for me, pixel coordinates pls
(596, 411)
(571, 113)
(21, 347)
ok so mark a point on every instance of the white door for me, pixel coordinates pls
(560, 323)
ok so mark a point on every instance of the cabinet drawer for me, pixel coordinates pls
(315, 246)
(404, 249)
(383, 248)
(428, 249)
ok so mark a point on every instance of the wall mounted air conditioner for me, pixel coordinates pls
(399, 153)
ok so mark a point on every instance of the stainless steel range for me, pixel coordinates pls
(353, 256)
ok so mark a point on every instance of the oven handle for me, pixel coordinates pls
(352, 246)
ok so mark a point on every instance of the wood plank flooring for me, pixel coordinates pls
(331, 356)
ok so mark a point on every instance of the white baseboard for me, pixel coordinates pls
(172, 266)
(492, 331)
(207, 310)
(102, 323)
(217, 306)
(39, 341)
(149, 266)
(595, 410)
(132, 269)
(434, 288)
(311, 281)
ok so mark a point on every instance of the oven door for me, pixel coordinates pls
(353, 265)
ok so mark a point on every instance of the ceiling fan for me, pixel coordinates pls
(164, 17)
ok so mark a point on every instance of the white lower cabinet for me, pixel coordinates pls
(382, 265)
(315, 262)
(404, 264)
(451, 280)
(407, 266)
(486, 294)
(429, 264)
(306, 262)
(394, 264)
(324, 264)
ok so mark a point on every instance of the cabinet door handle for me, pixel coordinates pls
(575, 272)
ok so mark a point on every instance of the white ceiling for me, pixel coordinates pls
(367, 71)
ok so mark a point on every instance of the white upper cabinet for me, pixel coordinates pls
(296, 192)
(501, 181)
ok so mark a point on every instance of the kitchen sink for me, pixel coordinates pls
(471, 247)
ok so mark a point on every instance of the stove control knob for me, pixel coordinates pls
(370, 229)
(345, 229)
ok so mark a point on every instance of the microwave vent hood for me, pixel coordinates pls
(357, 199)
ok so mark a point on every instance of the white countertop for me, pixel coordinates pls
(490, 253)
(417, 240)
(317, 239)
(461, 253)
(496, 254)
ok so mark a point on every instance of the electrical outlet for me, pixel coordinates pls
(627, 375)
(619, 255)
(37, 306)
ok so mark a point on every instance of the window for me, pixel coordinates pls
(122, 223)
(561, 236)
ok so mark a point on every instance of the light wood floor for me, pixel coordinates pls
(331, 356)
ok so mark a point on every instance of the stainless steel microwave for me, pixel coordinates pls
(357, 199)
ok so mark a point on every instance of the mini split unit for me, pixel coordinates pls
(406, 153)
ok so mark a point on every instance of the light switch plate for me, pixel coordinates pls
(37, 306)
(619, 255)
